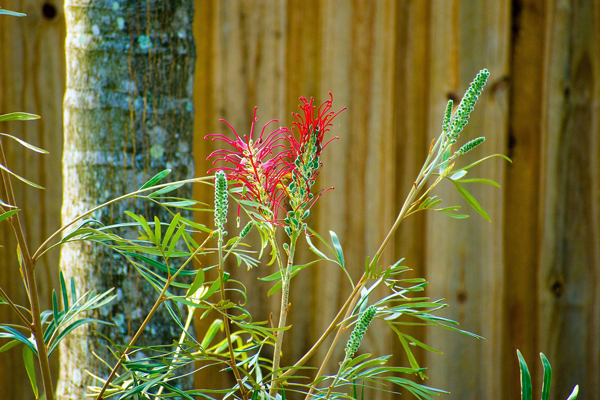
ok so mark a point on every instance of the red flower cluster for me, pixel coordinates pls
(276, 165)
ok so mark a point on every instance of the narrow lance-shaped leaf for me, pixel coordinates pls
(16, 116)
(525, 378)
(21, 178)
(8, 214)
(24, 143)
(63, 288)
(14, 334)
(547, 377)
(156, 178)
(338, 248)
(30, 368)
(471, 200)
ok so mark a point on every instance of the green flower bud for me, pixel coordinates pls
(470, 145)
(246, 230)
(359, 331)
(221, 201)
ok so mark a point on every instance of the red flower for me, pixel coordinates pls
(310, 124)
(257, 167)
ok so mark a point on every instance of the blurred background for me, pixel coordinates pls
(529, 280)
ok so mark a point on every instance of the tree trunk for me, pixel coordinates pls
(128, 114)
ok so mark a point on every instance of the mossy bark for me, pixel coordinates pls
(128, 114)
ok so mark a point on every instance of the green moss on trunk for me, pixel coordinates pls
(128, 115)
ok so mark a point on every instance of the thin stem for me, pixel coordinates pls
(39, 251)
(422, 179)
(332, 326)
(158, 302)
(15, 308)
(233, 363)
(36, 325)
(188, 322)
(283, 311)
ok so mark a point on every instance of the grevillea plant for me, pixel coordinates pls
(271, 178)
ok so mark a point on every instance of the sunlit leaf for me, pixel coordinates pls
(14, 334)
(21, 178)
(30, 368)
(156, 178)
(471, 200)
(9, 345)
(24, 143)
(70, 328)
(338, 248)
(525, 378)
(480, 180)
(16, 116)
(8, 214)
(547, 377)
(198, 282)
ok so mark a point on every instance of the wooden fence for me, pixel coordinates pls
(530, 279)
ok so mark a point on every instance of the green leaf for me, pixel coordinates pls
(8, 214)
(212, 290)
(157, 264)
(70, 328)
(30, 368)
(574, 393)
(157, 230)
(16, 116)
(317, 251)
(175, 239)
(166, 189)
(156, 178)
(216, 325)
(196, 225)
(24, 143)
(63, 288)
(525, 378)
(480, 180)
(14, 334)
(338, 248)
(481, 160)
(170, 230)
(198, 282)
(55, 308)
(143, 223)
(471, 200)
(9, 345)
(21, 178)
(179, 204)
(547, 377)
(457, 175)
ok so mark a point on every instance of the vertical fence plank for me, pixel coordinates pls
(357, 62)
(570, 254)
(411, 139)
(464, 258)
(521, 194)
(31, 79)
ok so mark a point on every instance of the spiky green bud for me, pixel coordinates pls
(221, 201)
(470, 145)
(463, 112)
(447, 115)
(359, 331)
(246, 230)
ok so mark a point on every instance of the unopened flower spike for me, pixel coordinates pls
(470, 145)
(359, 331)
(246, 229)
(221, 201)
(461, 116)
